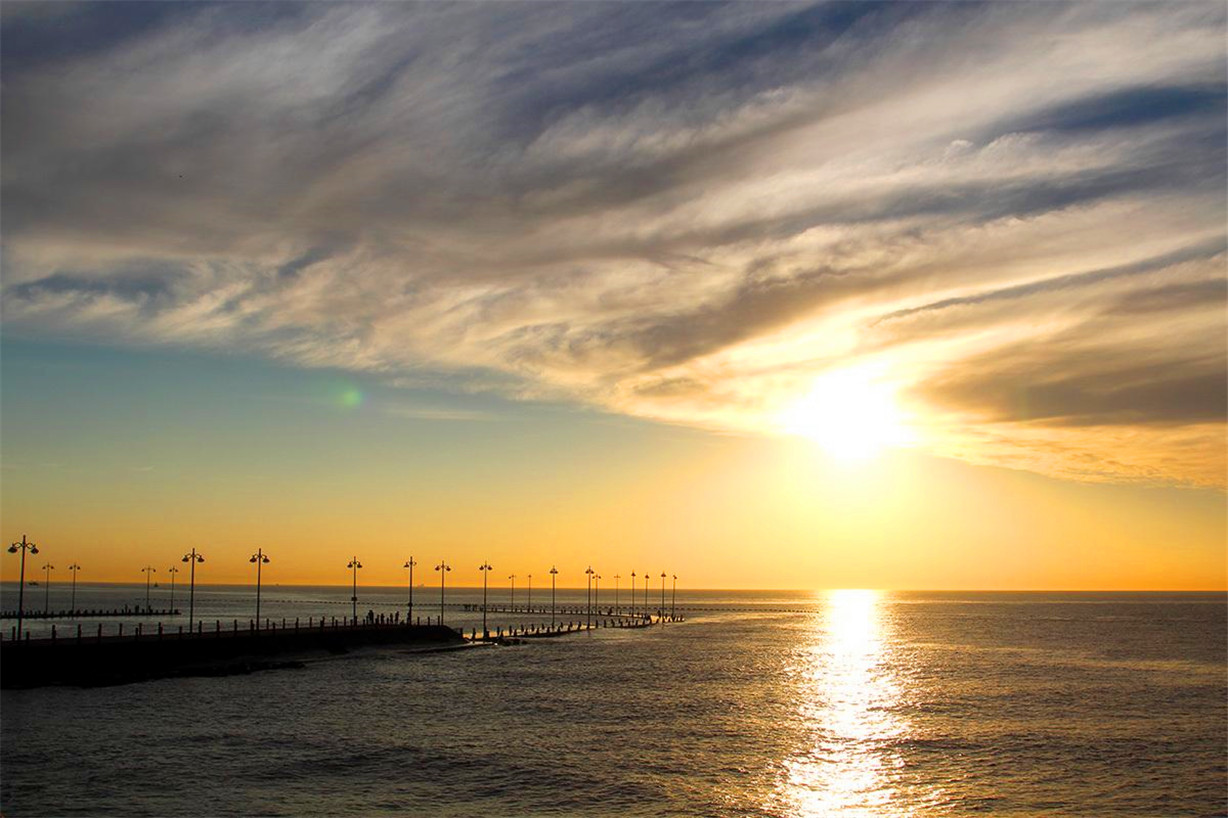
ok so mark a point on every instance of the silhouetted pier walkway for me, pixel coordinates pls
(96, 658)
(564, 628)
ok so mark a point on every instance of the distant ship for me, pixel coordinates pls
(32, 582)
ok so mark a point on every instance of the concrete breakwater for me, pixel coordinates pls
(90, 661)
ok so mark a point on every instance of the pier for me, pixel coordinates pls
(96, 659)
(100, 655)
(91, 614)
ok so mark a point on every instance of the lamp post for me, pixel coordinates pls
(148, 571)
(409, 563)
(662, 597)
(74, 568)
(23, 547)
(192, 557)
(48, 568)
(443, 568)
(553, 574)
(529, 607)
(172, 571)
(646, 579)
(633, 575)
(617, 609)
(673, 598)
(513, 579)
(484, 568)
(260, 559)
(588, 597)
(354, 565)
(597, 594)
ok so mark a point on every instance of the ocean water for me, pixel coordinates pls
(765, 704)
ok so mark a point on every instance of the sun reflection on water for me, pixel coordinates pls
(846, 697)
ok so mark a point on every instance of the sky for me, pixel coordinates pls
(900, 295)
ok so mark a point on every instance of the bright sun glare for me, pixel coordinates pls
(851, 414)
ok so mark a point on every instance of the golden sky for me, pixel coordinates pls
(776, 295)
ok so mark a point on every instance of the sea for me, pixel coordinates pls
(844, 703)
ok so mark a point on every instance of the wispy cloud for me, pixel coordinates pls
(679, 211)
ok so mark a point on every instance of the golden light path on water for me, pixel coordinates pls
(846, 697)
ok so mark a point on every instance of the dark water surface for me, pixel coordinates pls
(854, 703)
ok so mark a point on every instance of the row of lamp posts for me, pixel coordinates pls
(261, 559)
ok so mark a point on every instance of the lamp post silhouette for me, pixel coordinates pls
(662, 614)
(48, 568)
(260, 559)
(148, 571)
(23, 547)
(617, 609)
(484, 568)
(588, 597)
(172, 571)
(192, 558)
(513, 579)
(443, 568)
(553, 574)
(354, 565)
(633, 575)
(597, 594)
(74, 568)
(646, 609)
(673, 598)
(529, 607)
(409, 563)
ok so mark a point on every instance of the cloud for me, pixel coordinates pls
(680, 211)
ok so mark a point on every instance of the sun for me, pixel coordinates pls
(851, 414)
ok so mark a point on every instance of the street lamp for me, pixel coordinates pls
(484, 568)
(646, 596)
(443, 568)
(74, 568)
(617, 609)
(633, 575)
(172, 571)
(192, 558)
(354, 565)
(409, 563)
(47, 588)
(589, 596)
(530, 605)
(513, 579)
(553, 574)
(148, 571)
(260, 559)
(23, 547)
(662, 597)
(673, 599)
(597, 594)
